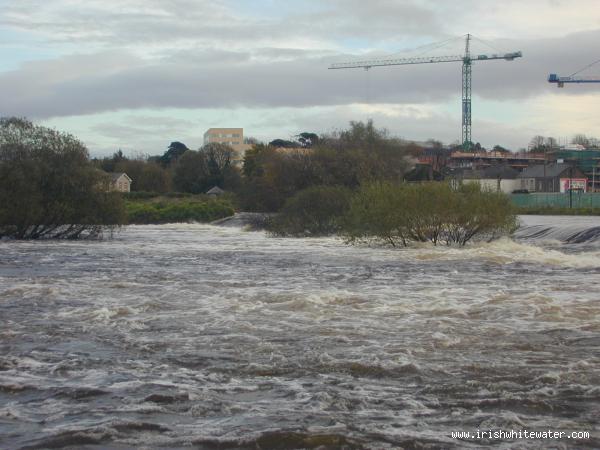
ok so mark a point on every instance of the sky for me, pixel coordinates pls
(138, 74)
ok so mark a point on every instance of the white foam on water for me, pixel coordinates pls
(224, 335)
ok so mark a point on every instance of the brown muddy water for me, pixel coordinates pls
(196, 336)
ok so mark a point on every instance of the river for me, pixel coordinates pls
(189, 335)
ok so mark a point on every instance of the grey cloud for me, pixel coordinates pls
(111, 81)
(164, 22)
(375, 19)
(111, 23)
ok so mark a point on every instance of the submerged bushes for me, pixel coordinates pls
(398, 214)
(430, 212)
(313, 212)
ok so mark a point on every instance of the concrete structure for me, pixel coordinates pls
(480, 160)
(588, 160)
(234, 137)
(120, 182)
(553, 177)
(498, 178)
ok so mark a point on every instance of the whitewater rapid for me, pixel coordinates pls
(211, 337)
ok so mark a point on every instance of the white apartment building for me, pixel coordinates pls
(234, 137)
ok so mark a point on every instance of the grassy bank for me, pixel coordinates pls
(154, 209)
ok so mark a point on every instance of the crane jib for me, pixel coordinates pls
(424, 60)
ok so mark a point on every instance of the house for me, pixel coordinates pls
(553, 177)
(215, 192)
(120, 182)
(497, 178)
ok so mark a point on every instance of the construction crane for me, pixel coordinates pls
(467, 61)
(560, 81)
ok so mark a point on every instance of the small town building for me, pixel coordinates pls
(553, 177)
(483, 159)
(497, 178)
(233, 137)
(120, 182)
(215, 191)
(588, 160)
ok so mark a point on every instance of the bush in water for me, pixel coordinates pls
(315, 211)
(431, 212)
(48, 186)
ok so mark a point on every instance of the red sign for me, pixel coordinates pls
(575, 184)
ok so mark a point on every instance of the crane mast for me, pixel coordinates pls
(466, 97)
(466, 60)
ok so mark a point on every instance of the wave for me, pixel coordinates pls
(568, 235)
(509, 251)
(566, 229)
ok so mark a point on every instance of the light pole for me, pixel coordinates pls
(593, 193)
(571, 187)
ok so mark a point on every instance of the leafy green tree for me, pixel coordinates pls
(348, 158)
(174, 152)
(154, 178)
(191, 173)
(48, 186)
(316, 211)
(212, 165)
(500, 149)
(362, 154)
(308, 139)
(429, 212)
(283, 143)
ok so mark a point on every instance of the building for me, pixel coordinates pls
(234, 137)
(588, 160)
(497, 178)
(483, 159)
(120, 182)
(553, 177)
(215, 191)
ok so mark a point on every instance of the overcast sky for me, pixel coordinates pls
(138, 74)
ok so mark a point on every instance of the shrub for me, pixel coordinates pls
(48, 186)
(315, 211)
(430, 212)
(171, 212)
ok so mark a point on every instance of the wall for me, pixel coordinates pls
(556, 200)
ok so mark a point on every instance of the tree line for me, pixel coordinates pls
(49, 187)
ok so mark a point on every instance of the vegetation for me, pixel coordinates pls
(349, 158)
(431, 212)
(170, 210)
(212, 165)
(178, 169)
(397, 214)
(350, 182)
(48, 188)
(316, 211)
